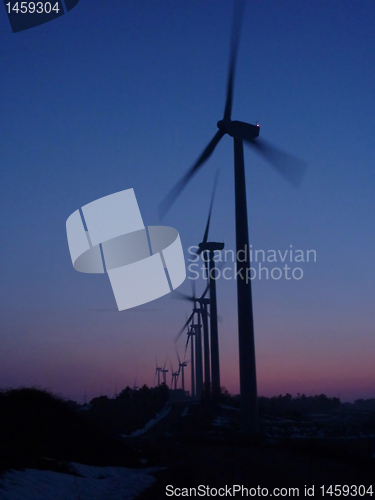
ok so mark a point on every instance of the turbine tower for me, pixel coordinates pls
(197, 328)
(292, 169)
(191, 335)
(174, 377)
(157, 372)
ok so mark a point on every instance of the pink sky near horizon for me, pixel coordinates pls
(73, 362)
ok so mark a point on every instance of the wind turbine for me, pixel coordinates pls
(203, 302)
(290, 168)
(174, 377)
(208, 249)
(195, 331)
(181, 366)
(157, 371)
(164, 371)
(197, 328)
(191, 335)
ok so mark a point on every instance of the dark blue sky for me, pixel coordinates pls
(126, 94)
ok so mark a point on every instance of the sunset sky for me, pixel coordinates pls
(123, 94)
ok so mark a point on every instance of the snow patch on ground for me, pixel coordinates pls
(96, 483)
(163, 413)
(221, 422)
(226, 407)
(185, 413)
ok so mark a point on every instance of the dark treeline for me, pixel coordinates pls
(35, 423)
(361, 405)
(38, 429)
(129, 411)
(302, 404)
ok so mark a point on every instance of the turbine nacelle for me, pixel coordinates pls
(240, 130)
(204, 301)
(211, 246)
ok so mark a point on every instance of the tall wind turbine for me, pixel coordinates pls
(289, 167)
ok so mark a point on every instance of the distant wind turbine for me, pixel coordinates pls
(203, 302)
(191, 337)
(181, 366)
(164, 371)
(195, 338)
(157, 371)
(174, 377)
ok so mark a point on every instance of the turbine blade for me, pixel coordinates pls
(178, 356)
(291, 168)
(205, 236)
(199, 251)
(183, 328)
(187, 343)
(181, 296)
(173, 194)
(166, 359)
(239, 6)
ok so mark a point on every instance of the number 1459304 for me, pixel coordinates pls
(33, 7)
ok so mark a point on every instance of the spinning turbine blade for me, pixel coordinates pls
(236, 29)
(173, 194)
(180, 296)
(183, 328)
(205, 237)
(183, 296)
(187, 343)
(291, 168)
